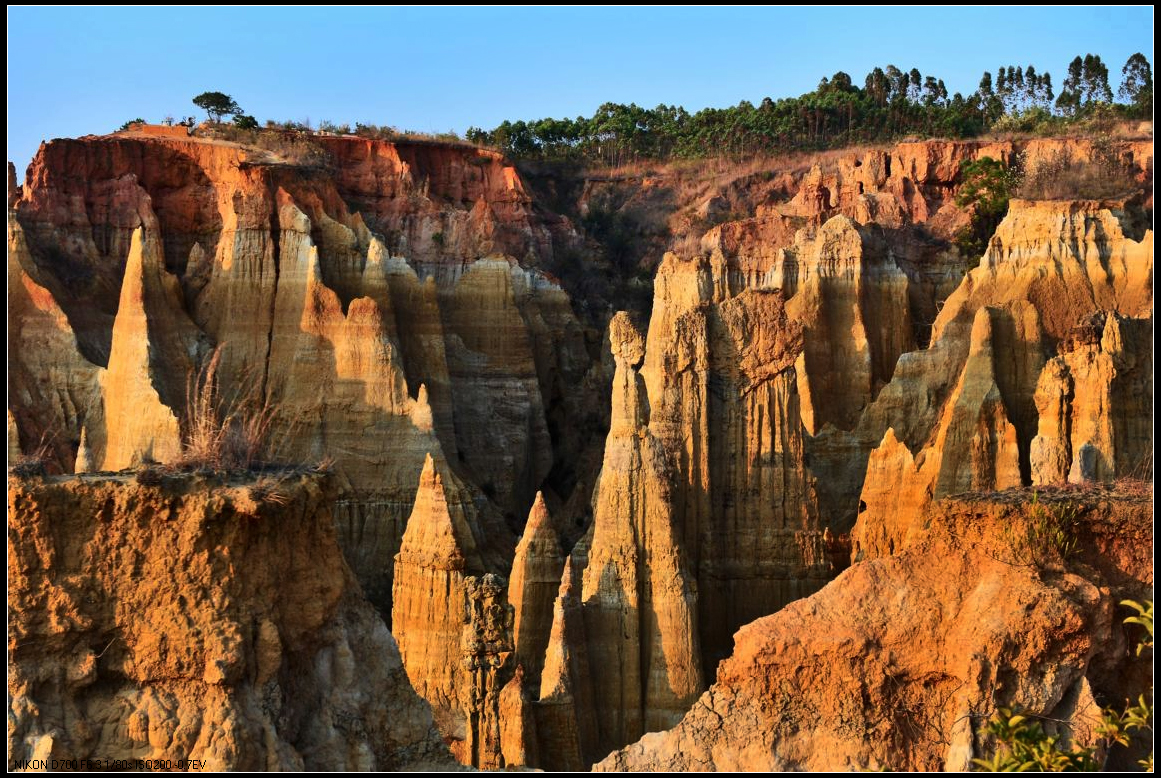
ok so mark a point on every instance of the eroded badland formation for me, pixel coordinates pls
(767, 519)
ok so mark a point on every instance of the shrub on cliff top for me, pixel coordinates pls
(1046, 537)
(987, 186)
(293, 150)
(244, 122)
(1103, 176)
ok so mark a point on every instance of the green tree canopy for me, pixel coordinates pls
(1087, 83)
(1137, 85)
(216, 105)
(987, 186)
(890, 102)
(245, 122)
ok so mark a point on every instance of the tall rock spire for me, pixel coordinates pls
(532, 588)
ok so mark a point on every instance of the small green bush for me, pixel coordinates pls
(1046, 539)
(1023, 746)
(245, 122)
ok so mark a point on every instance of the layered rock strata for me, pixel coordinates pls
(828, 365)
(704, 512)
(51, 385)
(532, 589)
(453, 619)
(1094, 400)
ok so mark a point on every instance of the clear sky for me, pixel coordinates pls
(74, 71)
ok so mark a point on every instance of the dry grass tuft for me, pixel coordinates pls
(28, 467)
(225, 433)
(687, 245)
(267, 490)
(36, 464)
(324, 465)
(1139, 480)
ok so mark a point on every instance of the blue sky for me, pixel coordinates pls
(75, 71)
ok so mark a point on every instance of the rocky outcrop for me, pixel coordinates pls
(487, 657)
(968, 408)
(974, 449)
(199, 619)
(900, 661)
(453, 619)
(151, 362)
(852, 300)
(891, 427)
(566, 724)
(517, 721)
(1093, 401)
(638, 597)
(471, 201)
(724, 404)
(429, 599)
(52, 388)
(335, 386)
(827, 365)
(704, 512)
(916, 182)
(1067, 258)
(500, 417)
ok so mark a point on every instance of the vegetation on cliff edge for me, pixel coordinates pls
(892, 103)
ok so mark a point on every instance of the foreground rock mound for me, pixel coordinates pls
(899, 662)
(199, 619)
